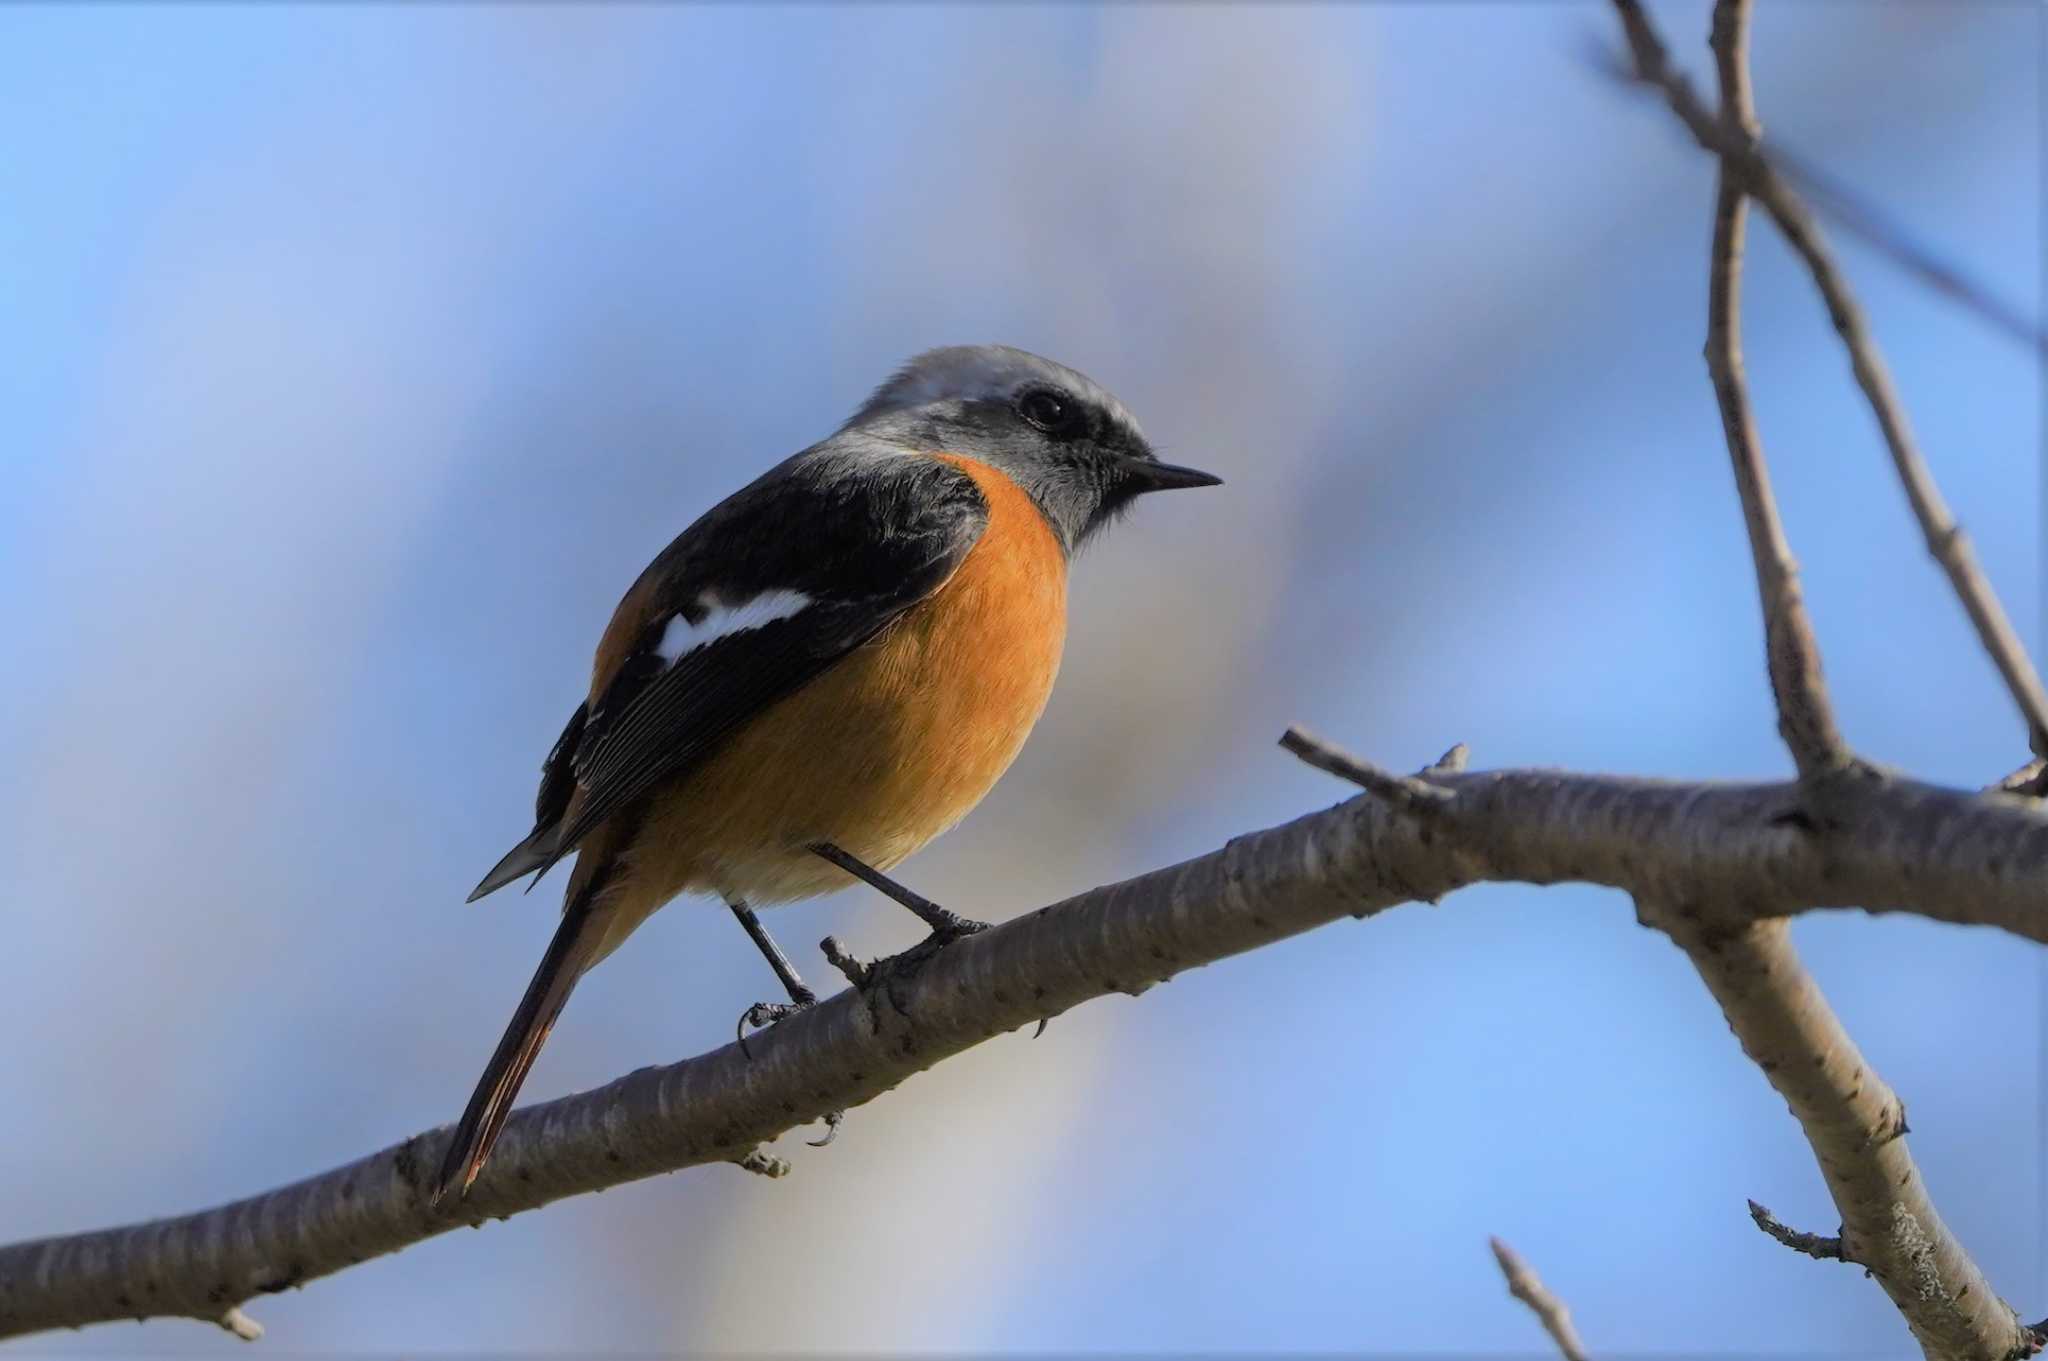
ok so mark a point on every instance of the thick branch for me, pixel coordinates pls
(1946, 854)
(1945, 538)
(1525, 1285)
(1857, 1127)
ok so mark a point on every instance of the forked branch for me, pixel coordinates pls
(1945, 539)
(1854, 1123)
(1952, 855)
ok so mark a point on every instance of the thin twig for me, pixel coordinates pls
(1525, 1285)
(1806, 717)
(1857, 215)
(1945, 539)
(1452, 762)
(1405, 792)
(2029, 781)
(1865, 221)
(1812, 1244)
(836, 954)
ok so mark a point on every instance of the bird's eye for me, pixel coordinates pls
(1053, 412)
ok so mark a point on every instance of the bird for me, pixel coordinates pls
(828, 669)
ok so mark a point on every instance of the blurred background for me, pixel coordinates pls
(356, 358)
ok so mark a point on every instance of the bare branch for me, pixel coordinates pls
(1945, 539)
(1946, 854)
(1729, 39)
(1651, 66)
(1526, 1286)
(1717, 867)
(1812, 1244)
(1806, 718)
(1409, 793)
(1452, 762)
(1837, 200)
(2029, 781)
(1854, 1123)
(1857, 1128)
(1861, 219)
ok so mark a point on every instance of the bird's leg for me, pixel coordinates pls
(886, 974)
(946, 926)
(801, 998)
(799, 995)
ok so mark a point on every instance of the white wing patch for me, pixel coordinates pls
(721, 620)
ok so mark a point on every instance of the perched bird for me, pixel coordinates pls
(823, 673)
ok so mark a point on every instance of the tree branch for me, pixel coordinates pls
(1857, 1127)
(1716, 866)
(1946, 854)
(1854, 1123)
(1806, 718)
(1525, 1285)
(1837, 201)
(1811, 1244)
(1409, 793)
(2030, 780)
(1945, 539)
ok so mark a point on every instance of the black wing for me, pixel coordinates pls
(860, 538)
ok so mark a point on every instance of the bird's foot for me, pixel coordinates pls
(763, 1014)
(882, 975)
(948, 927)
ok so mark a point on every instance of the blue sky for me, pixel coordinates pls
(358, 357)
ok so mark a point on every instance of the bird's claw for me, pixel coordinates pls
(886, 972)
(951, 927)
(768, 1013)
(763, 1014)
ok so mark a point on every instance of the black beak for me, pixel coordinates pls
(1145, 475)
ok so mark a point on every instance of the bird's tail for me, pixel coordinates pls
(529, 855)
(568, 955)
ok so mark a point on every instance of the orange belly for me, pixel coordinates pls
(890, 747)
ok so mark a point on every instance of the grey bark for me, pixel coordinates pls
(1895, 845)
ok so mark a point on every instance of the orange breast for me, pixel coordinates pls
(890, 747)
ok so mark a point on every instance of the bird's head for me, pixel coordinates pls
(1063, 437)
